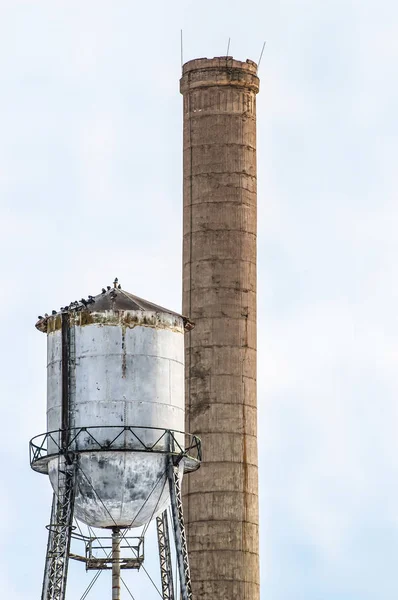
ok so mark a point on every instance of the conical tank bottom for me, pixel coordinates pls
(118, 488)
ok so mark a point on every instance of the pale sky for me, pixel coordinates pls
(91, 188)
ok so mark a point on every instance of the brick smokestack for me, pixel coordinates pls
(219, 294)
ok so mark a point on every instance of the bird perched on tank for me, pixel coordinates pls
(45, 315)
(53, 312)
(108, 287)
(40, 318)
(83, 301)
(103, 290)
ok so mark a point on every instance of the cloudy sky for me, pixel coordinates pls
(90, 189)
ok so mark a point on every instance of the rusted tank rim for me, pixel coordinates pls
(128, 319)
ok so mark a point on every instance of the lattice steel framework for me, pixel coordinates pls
(60, 530)
(166, 571)
(179, 529)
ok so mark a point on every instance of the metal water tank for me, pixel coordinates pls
(116, 389)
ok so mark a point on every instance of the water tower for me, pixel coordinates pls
(115, 448)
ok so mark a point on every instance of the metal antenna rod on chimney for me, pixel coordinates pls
(229, 41)
(182, 51)
(261, 55)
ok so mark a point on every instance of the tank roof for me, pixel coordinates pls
(111, 299)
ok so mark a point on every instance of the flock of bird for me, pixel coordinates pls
(82, 303)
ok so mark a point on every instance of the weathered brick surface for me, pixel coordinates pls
(219, 295)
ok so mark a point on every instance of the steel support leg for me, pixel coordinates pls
(179, 530)
(166, 571)
(116, 563)
(59, 535)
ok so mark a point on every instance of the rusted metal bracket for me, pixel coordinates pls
(60, 532)
(179, 529)
(166, 571)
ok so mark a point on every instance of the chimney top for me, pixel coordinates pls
(219, 71)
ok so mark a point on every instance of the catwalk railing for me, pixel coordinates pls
(126, 438)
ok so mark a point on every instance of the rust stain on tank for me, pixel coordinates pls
(124, 352)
